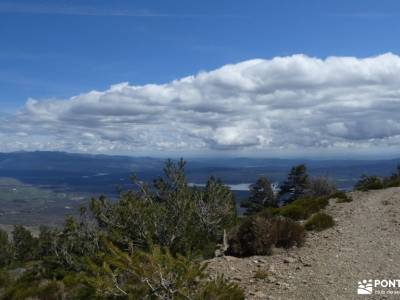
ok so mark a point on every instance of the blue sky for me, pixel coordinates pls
(57, 49)
(265, 78)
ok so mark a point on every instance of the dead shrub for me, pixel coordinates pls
(290, 233)
(321, 187)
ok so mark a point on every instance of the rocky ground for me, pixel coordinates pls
(364, 244)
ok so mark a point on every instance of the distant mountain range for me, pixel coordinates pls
(103, 173)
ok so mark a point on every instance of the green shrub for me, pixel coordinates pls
(312, 204)
(257, 234)
(51, 290)
(6, 249)
(293, 211)
(220, 289)
(341, 197)
(43, 290)
(375, 183)
(369, 183)
(344, 200)
(169, 213)
(254, 236)
(393, 181)
(5, 279)
(300, 209)
(156, 274)
(319, 221)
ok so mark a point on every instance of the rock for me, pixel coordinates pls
(260, 295)
(289, 260)
(272, 268)
(237, 278)
(271, 279)
(218, 253)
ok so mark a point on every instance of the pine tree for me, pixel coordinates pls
(296, 183)
(261, 196)
(47, 240)
(5, 249)
(25, 244)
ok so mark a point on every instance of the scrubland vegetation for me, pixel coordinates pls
(319, 221)
(149, 244)
(376, 183)
(341, 197)
(152, 242)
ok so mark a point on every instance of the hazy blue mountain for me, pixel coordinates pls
(103, 173)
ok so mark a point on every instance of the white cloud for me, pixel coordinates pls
(294, 102)
(51, 8)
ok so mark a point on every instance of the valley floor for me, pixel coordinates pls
(364, 244)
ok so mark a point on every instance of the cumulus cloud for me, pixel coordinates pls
(294, 102)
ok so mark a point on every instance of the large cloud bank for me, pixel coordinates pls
(294, 102)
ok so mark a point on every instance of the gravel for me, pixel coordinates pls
(364, 244)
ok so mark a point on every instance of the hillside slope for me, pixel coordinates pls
(364, 244)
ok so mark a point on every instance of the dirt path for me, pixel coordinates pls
(364, 244)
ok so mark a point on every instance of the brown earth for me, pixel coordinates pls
(364, 244)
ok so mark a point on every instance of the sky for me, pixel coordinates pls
(247, 78)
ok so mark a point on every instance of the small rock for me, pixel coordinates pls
(237, 278)
(289, 260)
(271, 279)
(260, 295)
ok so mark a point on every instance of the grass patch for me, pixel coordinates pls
(319, 222)
(262, 274)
